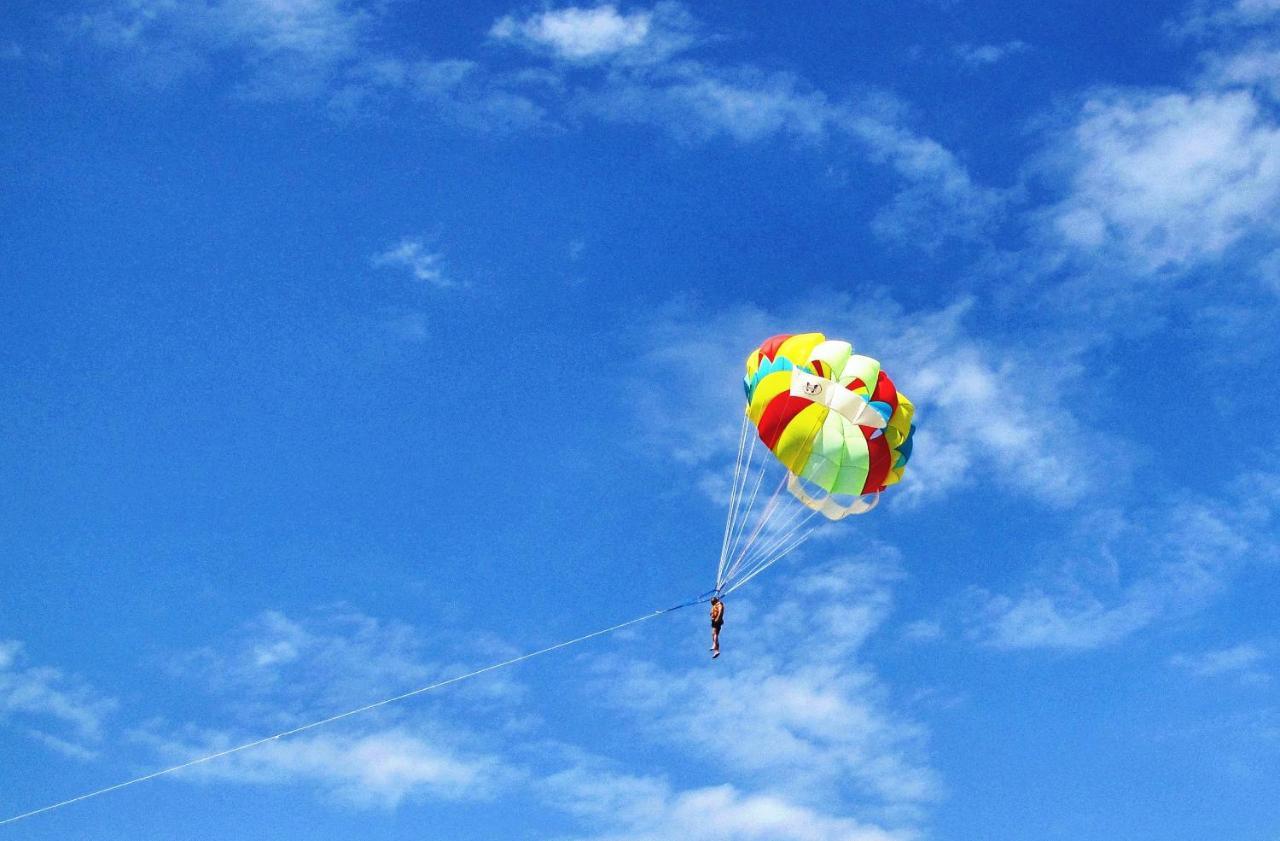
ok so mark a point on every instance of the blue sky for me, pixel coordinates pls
(350, 345)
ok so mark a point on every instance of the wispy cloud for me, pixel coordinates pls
(922, 630)
(605, 63)
(1256, 65)
(984, 402)
(282, 49)
(412, 254)
(1121, 577)
(472, 97)
(280, 671)
(696, 102)
(283, 668)
(1210, 17)
(408, 327)
(380, 768)
(627, 807)
(983, 55)
(1240, 661)
(58, 710)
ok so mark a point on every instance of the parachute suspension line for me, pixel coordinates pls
(735, 496)
(748, 547)
(761, 519)
(771, 561)
(756, 539)
(765, 552)
(745, 514)
(767, 518)
(750, 503)
(357, 711)
(775, 550)
(769, 540)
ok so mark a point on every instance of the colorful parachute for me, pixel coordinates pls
(832, 417)
(838, 426)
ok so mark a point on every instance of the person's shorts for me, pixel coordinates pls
(717, 625)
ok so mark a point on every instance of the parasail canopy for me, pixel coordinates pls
(839, 428)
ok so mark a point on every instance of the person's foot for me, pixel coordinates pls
(714, 654)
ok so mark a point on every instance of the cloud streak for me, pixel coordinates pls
(1123, 577)
(608, 65)
(634, 808)
(1242, 661)
(60, 711)
(983, 55)
(282, 49)
(380, 768)
(412, 255)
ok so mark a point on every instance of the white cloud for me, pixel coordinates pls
(941, 200)
(73, 748)
(284, 669)
(578, 34)
(1268, 271)
(408, 327)
(1119, 579)
(38, 699)
(989, 413)
(284, 49)
(1073, 620)
(601, 33)
(922, 630)
(468, 95)
(1241, 660)
(1205, 18)
(1256, 65)
(281, 672)
(1158, 181)
(829, 721)
(1166, 180)
(635, 808)
(412, 254)
(697, 102)
(375, 769)
(327, 51)
(981, 55)
(615, 65)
